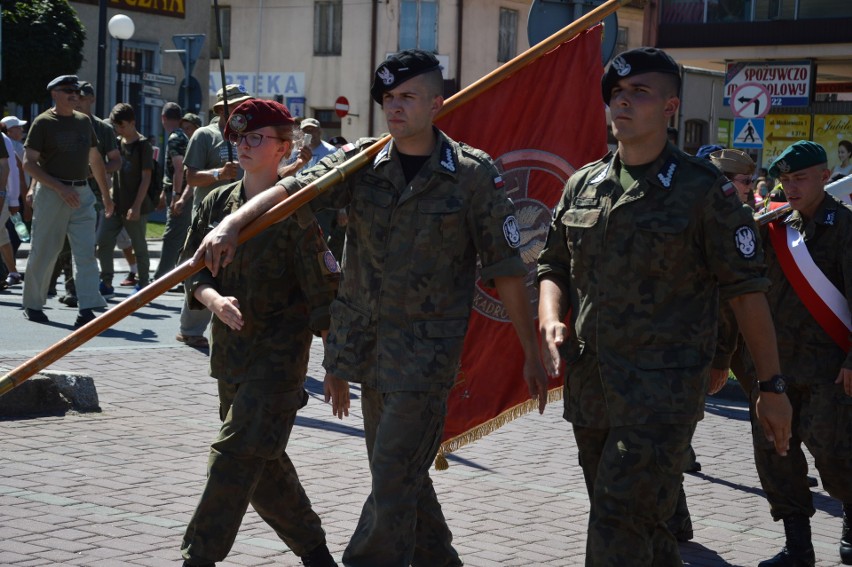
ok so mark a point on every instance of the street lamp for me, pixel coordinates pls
(120, 27)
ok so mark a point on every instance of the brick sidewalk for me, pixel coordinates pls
(117, 487)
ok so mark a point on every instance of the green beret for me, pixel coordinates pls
(400, 67)
(800, 155)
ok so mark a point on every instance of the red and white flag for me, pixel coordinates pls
(538, 125)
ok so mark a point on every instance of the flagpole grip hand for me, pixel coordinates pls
(218, 247)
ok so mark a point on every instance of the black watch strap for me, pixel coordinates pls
(777, 384)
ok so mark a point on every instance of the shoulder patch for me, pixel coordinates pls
(448, 158)
(728, 188)
(745, 241)
(512, 232)
(667, 172)
(498, 182)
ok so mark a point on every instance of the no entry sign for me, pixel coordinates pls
(341, 106)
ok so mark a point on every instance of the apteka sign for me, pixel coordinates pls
(790, 83)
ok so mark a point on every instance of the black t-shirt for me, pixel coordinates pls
(411, 165)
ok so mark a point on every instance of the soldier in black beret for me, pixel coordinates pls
(421, 213)
(400, 67)
(638, 350)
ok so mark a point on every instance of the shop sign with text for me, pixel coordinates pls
(173, 8)
(790, 83)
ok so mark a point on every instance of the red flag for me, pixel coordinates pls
(538, 125)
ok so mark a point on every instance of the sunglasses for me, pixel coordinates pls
(252, 139)
(68, 90)
(744, 180)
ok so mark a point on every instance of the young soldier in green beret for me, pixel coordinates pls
(419, 216)
(643, 246)
(268, 304)
(817, 364)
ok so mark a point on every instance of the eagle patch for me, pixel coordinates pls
(745, 242)
(512, 232)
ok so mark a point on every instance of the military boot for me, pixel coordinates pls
(680, 524)
(319, 557)
(799, 551)
(846, 535)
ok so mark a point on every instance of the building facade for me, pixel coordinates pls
(785, 67)
(146, 73)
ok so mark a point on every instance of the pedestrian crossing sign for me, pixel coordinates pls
(749, 132)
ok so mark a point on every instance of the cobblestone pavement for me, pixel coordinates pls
(117, 487)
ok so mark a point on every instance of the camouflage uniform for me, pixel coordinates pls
(398, 323)
(644, 268)
(811, 361)
(283, 283)
(176, 225)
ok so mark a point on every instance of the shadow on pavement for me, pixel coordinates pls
(696, 555)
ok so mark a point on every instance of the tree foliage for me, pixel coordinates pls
(42, 39)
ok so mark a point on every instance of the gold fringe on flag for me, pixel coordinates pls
(493, 424)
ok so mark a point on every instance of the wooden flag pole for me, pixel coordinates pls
(289, 205)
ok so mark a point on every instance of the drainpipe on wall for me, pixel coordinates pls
(459, 19)
(259, 45)
(372, 62)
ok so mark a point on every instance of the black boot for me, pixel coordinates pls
(319, 557)
(846, 535)
(681, 523)
(799, 551)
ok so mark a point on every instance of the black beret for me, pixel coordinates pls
(63, 80)
(400, 67)
(636, 62)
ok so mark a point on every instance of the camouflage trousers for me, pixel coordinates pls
(822, 420)
(248, 464)
(633, 475)
(401, 523)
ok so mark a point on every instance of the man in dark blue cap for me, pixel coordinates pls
(639, 348)
(60, 148)
(420, 215)
(809, 256)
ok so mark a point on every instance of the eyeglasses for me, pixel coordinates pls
(252, 139)
(68, 90)
(744, 180)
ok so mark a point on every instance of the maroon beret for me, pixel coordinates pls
(256, 113)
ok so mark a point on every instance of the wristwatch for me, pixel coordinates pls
(777, 385)
(216, 174)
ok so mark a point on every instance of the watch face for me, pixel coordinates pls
(780, 384)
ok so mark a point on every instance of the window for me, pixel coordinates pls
(507, 45)
(622, 40)
(225, 20)
(418, 25)
(695, 135)
(328, 27)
